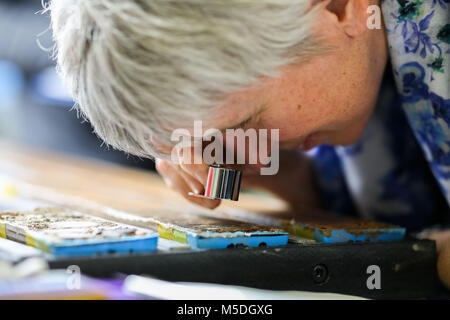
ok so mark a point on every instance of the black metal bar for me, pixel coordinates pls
(408, 268)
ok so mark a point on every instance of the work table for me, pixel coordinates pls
(408, 266)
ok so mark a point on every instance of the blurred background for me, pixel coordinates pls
(35, 109)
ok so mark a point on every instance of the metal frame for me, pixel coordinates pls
(408, 268)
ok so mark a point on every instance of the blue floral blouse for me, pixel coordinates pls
(399, 170)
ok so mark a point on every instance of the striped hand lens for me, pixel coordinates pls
(222, 183)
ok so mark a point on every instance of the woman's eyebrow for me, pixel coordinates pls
(254, 117)
(244, 123)
(240, 125)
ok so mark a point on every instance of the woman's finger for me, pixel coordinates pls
(443, 263)
(187, 162)
(175, 180)
(193, 183)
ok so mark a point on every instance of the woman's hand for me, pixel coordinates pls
(185, 178)
(442, 239)
(293, 183)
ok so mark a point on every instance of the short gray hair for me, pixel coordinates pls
(138, 69)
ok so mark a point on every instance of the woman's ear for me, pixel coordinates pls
(350, 15)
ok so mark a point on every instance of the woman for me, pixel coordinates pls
(312, 69)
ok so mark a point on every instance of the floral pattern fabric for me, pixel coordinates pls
(387, 174)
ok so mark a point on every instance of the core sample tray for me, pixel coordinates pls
(408, 267)
(71, 233)
(208, 232)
